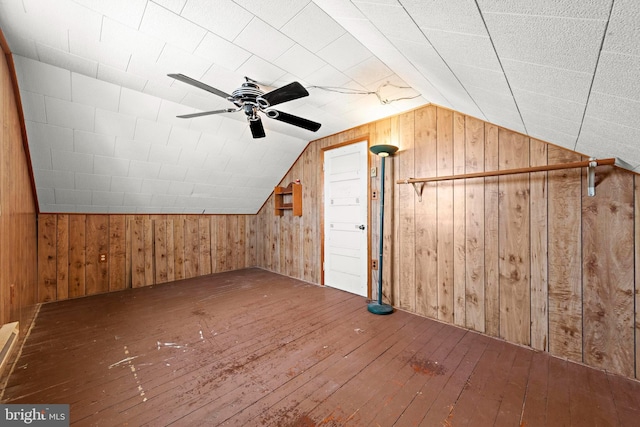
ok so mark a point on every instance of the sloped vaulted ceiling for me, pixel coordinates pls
(100, 109)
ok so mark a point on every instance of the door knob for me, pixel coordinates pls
(361, 227)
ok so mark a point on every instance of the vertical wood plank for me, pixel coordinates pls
(445, 215)
(408, 231)
(178, 245)
(297, 247)
(97, 243)
(474, 227)
(213, 231)
(310, 208)
(77, 230)
(137, 253)
(191, 247)
(251, 244)
(149, 265)
(47, 258)
(221, 244)
(285, 244)
(117, 253)
(514, 265)
(426, 213)
(171, 254)
(264, 225)
(459, 222)
(204, 228)
(160, 249)
(128, 248)
(241, 248)
(539, 261)
(276, 236)
(491, 241)
(608, 279)
(62, 267)
(565, 271)
(232, 240)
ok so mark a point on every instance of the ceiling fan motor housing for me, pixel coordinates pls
(248, 92)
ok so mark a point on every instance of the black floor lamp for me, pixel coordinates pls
(383, 151)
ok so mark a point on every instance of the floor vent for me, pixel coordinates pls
(8, 340)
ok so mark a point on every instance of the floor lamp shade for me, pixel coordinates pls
(384, 151)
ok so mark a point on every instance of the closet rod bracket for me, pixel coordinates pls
(415, 187)
(591, 177)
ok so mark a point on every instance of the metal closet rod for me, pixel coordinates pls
(570, 165)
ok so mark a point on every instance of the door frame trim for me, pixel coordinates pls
(321, 154)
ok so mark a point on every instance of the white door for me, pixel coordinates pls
(345, 218)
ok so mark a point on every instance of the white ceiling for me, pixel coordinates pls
(100, 110)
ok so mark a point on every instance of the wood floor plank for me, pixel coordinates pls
(514, 392)
(558, 393)
(534, 412)
(253, 348)
(479, 403)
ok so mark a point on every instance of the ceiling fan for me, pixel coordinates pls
(250, 99)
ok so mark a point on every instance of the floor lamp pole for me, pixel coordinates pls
(378, 307)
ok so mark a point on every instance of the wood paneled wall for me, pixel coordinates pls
(140, 250)
(18, 277)
(528, 258)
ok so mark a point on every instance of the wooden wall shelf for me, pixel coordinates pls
(288, 198)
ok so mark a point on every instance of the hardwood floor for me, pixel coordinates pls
(253, 348)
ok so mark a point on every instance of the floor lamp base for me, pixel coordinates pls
(376, 308)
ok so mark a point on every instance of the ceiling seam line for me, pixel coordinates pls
(443, 60)
(486, 28)
(593, 77)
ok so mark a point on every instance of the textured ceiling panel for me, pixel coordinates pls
(392, 20)
(263, 40)
(275, 12)
(564, 84)
(221, 51)
(456, 16)
(128, 12)
(225, 18)
(345, 52)
(566, 43)
(623, 31)
(165, 25)
(313, 28)
(584, 9)
(101, 112)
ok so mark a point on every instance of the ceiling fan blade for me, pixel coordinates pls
(295, 120)
(285, 93)
(207, 113)
(257, 130)
(199, 85)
